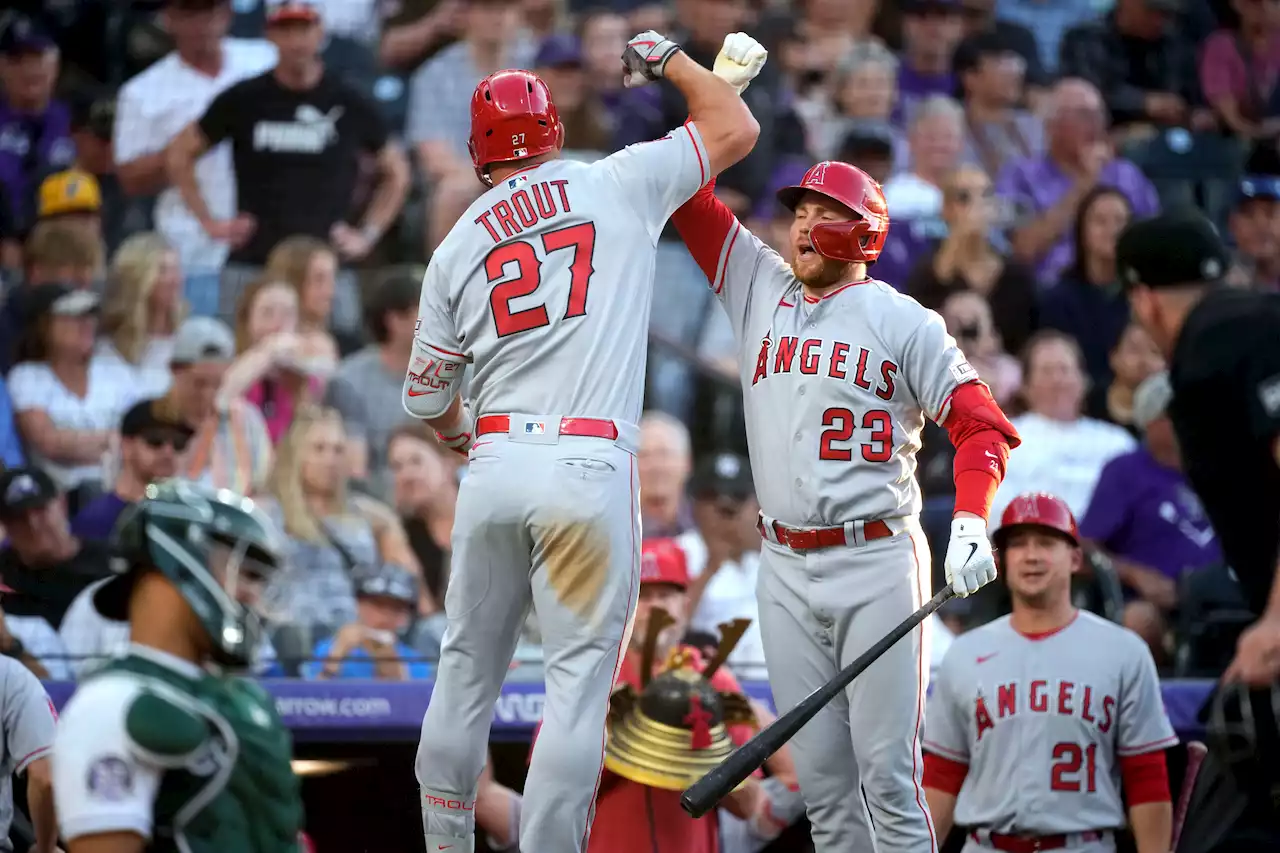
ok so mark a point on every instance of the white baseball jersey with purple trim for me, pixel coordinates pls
(1042, 722)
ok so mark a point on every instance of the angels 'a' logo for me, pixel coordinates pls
(817, 175)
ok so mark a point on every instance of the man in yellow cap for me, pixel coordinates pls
(72, 196)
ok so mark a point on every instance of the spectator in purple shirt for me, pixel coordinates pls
(35, 129)
(1046, 190)
(152, 440)
(931, 29)
(1147, 519)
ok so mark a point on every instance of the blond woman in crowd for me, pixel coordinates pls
(143, 310)
(334, 533)
(272, 369)
(311, 268)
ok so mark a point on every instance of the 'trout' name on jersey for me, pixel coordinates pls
(528, 205)
(310, 132)
(1089, 705)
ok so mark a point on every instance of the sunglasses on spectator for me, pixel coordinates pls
(964, 195)
(157, 440)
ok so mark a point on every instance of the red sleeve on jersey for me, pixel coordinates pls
(1145, 778)
(704, 223)
(943, 774)
(983, 437)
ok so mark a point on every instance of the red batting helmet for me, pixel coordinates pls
(1038, 509)
(512, 118)
(859, 240)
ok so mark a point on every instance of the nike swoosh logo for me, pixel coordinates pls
(413, 393)
(986, 658)
(973, 549)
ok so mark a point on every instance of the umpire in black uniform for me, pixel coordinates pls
(1223, 347)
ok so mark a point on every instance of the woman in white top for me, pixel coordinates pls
(143, 310)
(67, 401)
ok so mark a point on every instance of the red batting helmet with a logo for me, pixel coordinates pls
(860, 239)
(512, 118)
(1037, 509)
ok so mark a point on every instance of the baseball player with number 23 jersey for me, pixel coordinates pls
(544, 287)
(839, 372)
(1038, 720)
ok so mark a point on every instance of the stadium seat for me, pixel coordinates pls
(293, 644)
(1212, 614)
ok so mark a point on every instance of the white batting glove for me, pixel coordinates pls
(970, 564)
(740, 60)
(463, 436)
(646, 57)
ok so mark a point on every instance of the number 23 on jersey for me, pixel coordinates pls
(579, 240)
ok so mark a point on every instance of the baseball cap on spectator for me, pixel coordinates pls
(1258, 188)
(722, 475)
(25, 489)
(1151, 399)
(24, 35)
(59, 300)
(927, 7)
(1171, 249)
(663, 561)
(561, 50)
(288, 11)
(149, 417)
(94, 113)
(71, 191)
(201, 339)
(388, 581)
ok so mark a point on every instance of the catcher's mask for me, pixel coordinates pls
(674, 731)
(1243, 731)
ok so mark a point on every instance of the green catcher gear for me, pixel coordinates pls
(217, 547)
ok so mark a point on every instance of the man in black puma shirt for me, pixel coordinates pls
(298, 135)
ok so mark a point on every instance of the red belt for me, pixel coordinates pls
(1032, 843)
(589, 427)
(811, 538)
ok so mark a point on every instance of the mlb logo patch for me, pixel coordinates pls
(519, 152)
(535, 428)
(518, 179)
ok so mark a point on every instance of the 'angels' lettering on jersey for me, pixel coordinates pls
(1042, 723)
(818, 358)
(1039, 696)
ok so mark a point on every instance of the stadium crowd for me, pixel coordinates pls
(214, 217)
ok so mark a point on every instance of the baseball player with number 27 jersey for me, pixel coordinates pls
(839, 372)
(544, 287)
(1038, 720)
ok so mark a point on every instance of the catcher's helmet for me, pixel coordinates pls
(213, 545)
(1037, 509)
(512, 118)
(858, 240)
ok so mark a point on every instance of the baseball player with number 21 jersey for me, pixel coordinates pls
(544, 287)
(839, 372)
(1037, 721)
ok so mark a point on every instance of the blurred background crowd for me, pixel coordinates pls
(214, 217)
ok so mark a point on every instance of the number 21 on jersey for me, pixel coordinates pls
(840, 423)
(579, 239)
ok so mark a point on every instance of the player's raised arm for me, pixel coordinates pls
(727, 128)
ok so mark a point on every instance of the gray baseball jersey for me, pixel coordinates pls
(545, 283)
(1042, 723)
(836, 389)
(28, 719)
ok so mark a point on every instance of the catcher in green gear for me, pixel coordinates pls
(165, 749)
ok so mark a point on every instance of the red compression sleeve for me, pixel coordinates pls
(943, 774)
(704, 223)
(983, 437)
(1145, 778)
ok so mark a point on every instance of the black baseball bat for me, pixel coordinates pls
(728, 774)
